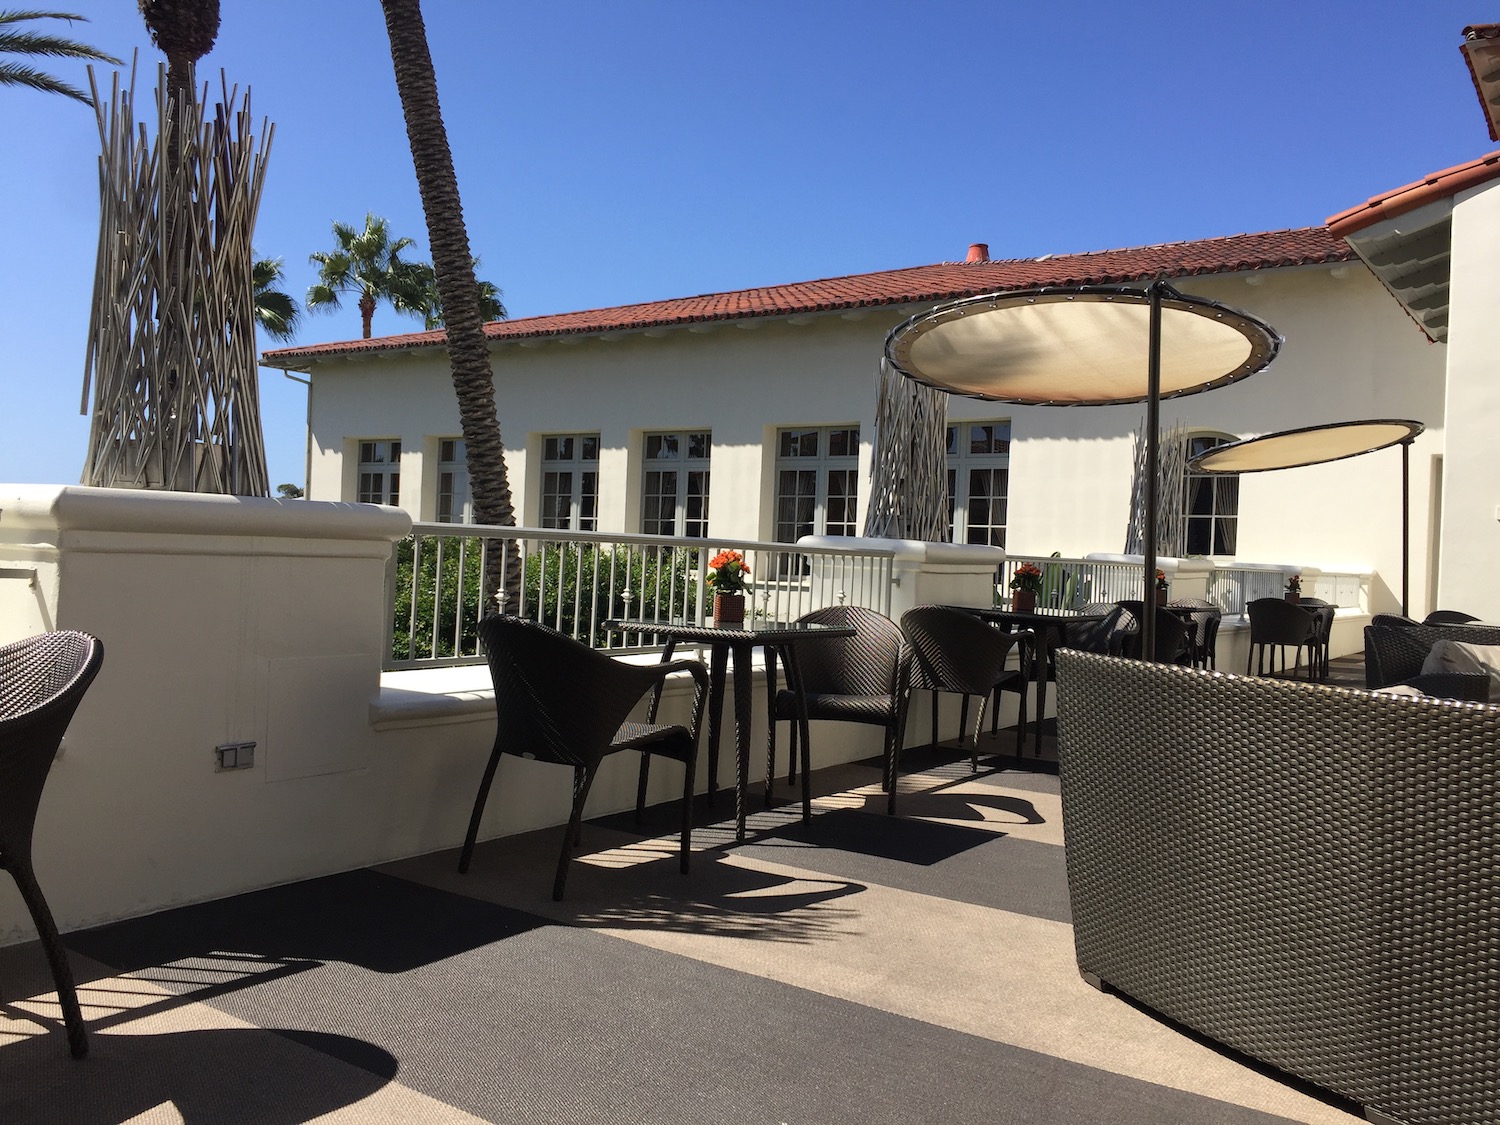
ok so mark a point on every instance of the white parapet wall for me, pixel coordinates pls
(232, 620)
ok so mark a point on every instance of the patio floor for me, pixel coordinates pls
(855, 969)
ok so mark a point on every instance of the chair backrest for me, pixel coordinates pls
(1448, 617)
(1172, 645)
(867, 663)
(42, 681)
(955, 651)
(556, 699)
(1396, 653)
(1275, 621)
(1393, 619)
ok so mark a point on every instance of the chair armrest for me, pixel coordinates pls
(655, 676)
(1471, 686)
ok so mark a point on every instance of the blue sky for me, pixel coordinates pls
(610, 153)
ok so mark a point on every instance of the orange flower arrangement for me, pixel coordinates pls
(727, 573)
(1028, 576)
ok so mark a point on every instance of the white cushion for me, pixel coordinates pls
(1461, 656)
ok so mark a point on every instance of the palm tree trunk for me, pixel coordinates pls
(453, 264)
(367, 311)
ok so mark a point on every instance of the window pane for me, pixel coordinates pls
(589, 447)
(698, 446)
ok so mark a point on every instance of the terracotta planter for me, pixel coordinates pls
(1293, 598)
(729, 609)
(1161, 596)
(1023, 601)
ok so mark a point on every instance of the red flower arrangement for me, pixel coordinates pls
(727, 573)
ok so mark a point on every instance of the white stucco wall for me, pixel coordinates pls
(1350, 352)
(1470, 546)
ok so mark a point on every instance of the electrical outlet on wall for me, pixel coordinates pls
(234, 756)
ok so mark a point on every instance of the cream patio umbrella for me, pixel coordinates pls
(1086, 346)
(1315, 445)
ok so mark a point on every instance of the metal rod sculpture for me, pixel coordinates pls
(171, 351)
(909, 480)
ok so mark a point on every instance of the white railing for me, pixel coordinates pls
(574, 581)
(1070, 584)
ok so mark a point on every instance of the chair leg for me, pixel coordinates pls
(690, 768)
(640, 787)
(582, 780)
(478, 814)
(1021, 724)
(771, 724)
(57, 956)
(934, 720)
(978, 726)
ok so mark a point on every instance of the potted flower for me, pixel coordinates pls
(727, 574)
(1161, 587)
(1294, 589)
(1025, 585)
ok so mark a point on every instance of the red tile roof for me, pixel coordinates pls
(1479, 55)
(917, 284)
(1437, 185)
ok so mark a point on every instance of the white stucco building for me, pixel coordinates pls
(769, 397)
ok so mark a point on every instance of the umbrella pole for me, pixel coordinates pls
(1153, 429)
(1405, 522)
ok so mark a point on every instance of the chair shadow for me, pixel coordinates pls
(351, 917)
(226, 1076)
(721, 899)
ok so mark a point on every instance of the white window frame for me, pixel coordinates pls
(688, 492)
(1222, 493)
(835, 481)
(455, 500)
(379, 459)
(567, 454)
(963, 463)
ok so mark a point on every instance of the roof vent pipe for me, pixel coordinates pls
(978, 252)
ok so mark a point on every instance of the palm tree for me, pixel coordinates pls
(276, 312)
(184, 31)
(453, 263)
(368, 262)
(17, 41)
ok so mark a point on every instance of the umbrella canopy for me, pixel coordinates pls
(1087, 345)
(1310, 445)
(1084, 346)
(1315, 445)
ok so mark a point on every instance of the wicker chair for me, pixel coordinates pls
(1448, 617)
(1174, 644)
(954, 651)
(1393, 619)
(1394, 655)
(1307, 874)
(557, 700)
(858, 679)
(42, 681)
(1275, 626)
(1207, 617)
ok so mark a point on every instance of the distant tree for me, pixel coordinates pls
(20, 41)
(453, 262)
(276, 312)
(490, 306)
(368, 263)
(289, 492)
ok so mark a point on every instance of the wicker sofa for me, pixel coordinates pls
(1394, 654)
(1307, 874)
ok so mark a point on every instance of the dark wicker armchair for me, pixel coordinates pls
(557, 700)
(1448, 617)
(42, 681)
(1207, 616)
(858, 679)
(1275, 626)
(1174, 638)
(954, 651)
